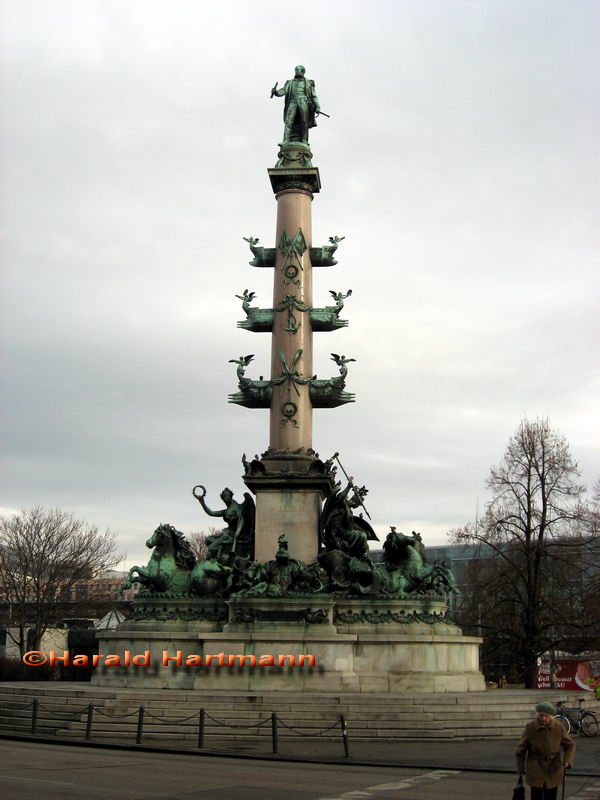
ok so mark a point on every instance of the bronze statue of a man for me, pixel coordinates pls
(301, 106)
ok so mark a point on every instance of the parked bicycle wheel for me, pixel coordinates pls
(589, 724)
(564, 721)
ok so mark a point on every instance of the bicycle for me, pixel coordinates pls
(585, 722)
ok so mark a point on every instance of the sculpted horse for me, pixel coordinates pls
(170, 565)
(404, 571)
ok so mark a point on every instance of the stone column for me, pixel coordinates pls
(290, 487)
(291, 409)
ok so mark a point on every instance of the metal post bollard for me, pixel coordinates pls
(274, 732)
(34, 715)
(88, 725)
(345, 736)
(138, 738)
(201, 729)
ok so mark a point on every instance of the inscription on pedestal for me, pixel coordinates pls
(295, 514)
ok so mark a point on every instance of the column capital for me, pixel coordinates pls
(306, 180)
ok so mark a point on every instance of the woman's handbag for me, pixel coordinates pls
(519, 790)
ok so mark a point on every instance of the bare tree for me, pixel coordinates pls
(198, 543)
(43, 553)
(595, 508)
(533, 594)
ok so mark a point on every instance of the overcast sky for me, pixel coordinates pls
(461, 162)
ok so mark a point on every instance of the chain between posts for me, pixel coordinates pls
(237, 725)
(319, 733)
(100, 710)
(202, 716)
(170, 720)
(80, 711)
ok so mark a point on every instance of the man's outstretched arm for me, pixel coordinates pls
(275, 92)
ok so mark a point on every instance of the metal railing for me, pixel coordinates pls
(200, 717)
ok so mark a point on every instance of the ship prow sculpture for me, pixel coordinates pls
(291, 570)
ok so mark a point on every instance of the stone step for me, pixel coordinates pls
(102, 723)
(446, 716)
(127, 695)
(63, 710)
(19, 704)
(24, 725)
(255, 707)
(54, 691)
(25, 713)
(234, 714)
(212, 736)
(48, 701)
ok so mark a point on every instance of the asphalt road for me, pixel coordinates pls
(30, 769)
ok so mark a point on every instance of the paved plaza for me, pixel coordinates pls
(411, 771)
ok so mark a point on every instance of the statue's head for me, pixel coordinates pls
(227, 496)
(299, 71)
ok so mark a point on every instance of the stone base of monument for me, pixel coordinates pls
(309, 644)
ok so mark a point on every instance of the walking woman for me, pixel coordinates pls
(541, 746)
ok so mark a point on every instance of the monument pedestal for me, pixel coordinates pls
(316, 643)
(290, 488)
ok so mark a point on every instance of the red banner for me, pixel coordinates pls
(569, 674)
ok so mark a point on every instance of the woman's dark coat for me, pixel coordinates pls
(541, 746)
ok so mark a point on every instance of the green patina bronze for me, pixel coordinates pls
(289, 378)
(249, 615)
(242, 362)
(376, 617)
(339, 298)
(291, 304)
(343, 568)
(284, 576)
(319, 256)
(262, 255)
(344, 537)
(325, 256)
(329, 393)
(257, 319)
(246, 298)
(323, 393)
(342, 361)
(404, 570)
(238, 537)
(301, 106)
(261, 320)
(230, 551)
(292, 249)
(177, 614)
(170, 565)
(253, 394)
